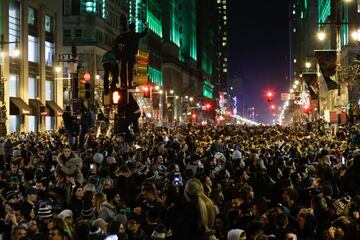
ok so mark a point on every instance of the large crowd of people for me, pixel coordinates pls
(189, 182)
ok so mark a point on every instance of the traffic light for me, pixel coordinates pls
(87, 90)
(147, 90)
(142, 68)
(307, 109)
(119, 97)
(269, 96)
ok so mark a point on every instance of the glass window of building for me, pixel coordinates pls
(13, 85)
(49, 24)
(14, 25)
(31, 16)
(49, 90)
(33, 49)
(31, 123)
(32, 84)
(49, 123)
(14, 121)
(49, 53)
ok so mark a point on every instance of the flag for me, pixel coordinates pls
(327, 61)
(311, 81)
(331, 84)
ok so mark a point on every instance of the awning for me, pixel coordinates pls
(55, 110)
(19, 107)
(38, 108)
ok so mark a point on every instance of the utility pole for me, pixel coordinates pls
(338, 55)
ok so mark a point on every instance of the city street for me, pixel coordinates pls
(179, 120)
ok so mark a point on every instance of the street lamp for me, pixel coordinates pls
(57, 69)
(321, 35)
(16, 53)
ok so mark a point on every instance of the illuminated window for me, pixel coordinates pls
(103, 9)
(358, 6)
(153, 17)
(225, 70)
(49, 24)
(31, 124)
(294, 30)
(156, 76)
(32, 16)
(294, 60)
(13, 85)
(32, 85)
(33, 49)
(224, 17)
(224, 43)
(90, 6)
(49, 90)
(302, 15)
(49, 53)
(14, 25)
(324, 10)
(49, 123)
(293, 12)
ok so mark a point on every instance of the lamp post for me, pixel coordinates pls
(16, 53)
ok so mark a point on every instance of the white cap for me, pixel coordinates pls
(67, 213)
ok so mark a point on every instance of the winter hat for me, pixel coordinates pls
(11, 194)
(99, 222)
(30, 191)
(236, 155)
(45, 212)
(98, 158)
(16, 153)
(234, 234)
(67, 213)
(94, 230)
(87, 211)
(159, 232)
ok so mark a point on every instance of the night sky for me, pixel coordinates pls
(258, 50)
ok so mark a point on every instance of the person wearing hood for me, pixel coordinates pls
(70, 164)
(236, 234)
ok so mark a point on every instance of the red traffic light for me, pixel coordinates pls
(147, 91)
(269, 95)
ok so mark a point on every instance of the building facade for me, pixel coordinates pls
(222, 45)
(309, 18)
(31, 95)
